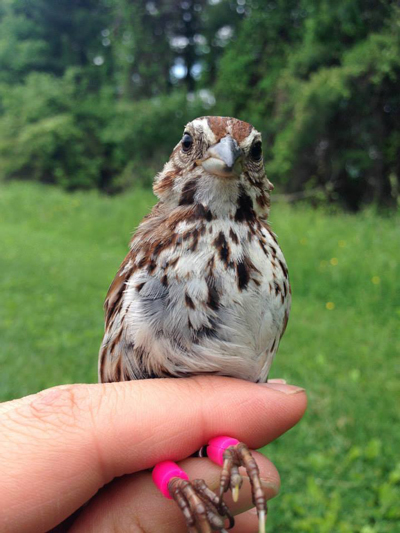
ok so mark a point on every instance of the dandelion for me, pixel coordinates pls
(342, 244)
(334, 261)
(330, 306)
(376, 280)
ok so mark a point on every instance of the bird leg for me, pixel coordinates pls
(203, 510)
(232, 454)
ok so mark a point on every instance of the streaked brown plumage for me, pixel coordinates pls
(204, 287)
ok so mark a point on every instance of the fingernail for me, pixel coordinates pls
(277, 381)
(283, 387)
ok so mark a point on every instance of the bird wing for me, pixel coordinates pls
(113, 299)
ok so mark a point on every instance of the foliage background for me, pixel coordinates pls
(93, 95)
(93, 91)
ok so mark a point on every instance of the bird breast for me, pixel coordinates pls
(203, 296)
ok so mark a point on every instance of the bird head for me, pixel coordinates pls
(216, 159)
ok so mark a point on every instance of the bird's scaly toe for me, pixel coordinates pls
(204, 512)
(234, 457)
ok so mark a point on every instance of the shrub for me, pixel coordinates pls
(55, 130)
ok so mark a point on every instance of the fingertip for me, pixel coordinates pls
(259, 413)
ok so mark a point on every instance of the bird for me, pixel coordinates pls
(204, 289)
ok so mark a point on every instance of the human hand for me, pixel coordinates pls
(60, 446)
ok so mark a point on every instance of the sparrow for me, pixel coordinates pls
(204, 289)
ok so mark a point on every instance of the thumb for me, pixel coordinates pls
(60, 446)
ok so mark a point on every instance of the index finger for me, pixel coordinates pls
(59, 447)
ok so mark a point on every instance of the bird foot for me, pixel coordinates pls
(204, 512)
(236, 456)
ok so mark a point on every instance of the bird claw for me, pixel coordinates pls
(204, 512)
(233, 458)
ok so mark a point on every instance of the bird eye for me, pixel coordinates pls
(187, 142)
(256, 151)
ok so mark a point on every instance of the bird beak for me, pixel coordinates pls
(222, 159)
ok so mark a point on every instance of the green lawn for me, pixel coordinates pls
(340, 467)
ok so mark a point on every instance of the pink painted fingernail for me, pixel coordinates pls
(283, 387)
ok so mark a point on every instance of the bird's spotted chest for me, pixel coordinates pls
(211, 296)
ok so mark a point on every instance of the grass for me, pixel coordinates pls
(340, 467)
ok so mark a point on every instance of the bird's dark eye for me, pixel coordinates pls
(256, 151)
(187, 142)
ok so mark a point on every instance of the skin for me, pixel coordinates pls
(67, 445)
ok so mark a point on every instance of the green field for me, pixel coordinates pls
(340, 468)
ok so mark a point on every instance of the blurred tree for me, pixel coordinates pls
(160, 45)
(22, 48)
(50, 36)
(143, 57)
(322, 81)
(221, 22)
